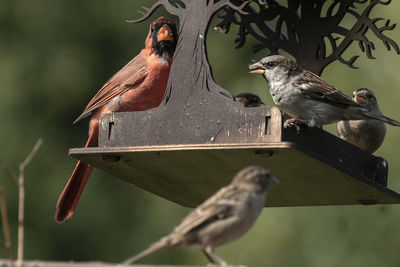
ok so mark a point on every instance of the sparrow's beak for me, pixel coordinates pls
(165, 34)
(257, 68)
(360, 99)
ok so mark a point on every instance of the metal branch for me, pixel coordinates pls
(266, 41)
(255, 24)
(258, 19)
(331, 8)
(148, 11)
(321, 49)
(344, 44)
(343, 10)
(227, 20)
(379, 33)
(382, 2)
(366, 46)
(222, 3)
(349, 62)
(271, 39)
(239, 9)
(241, 39)
(274, 39)
(357, 34)
(358, 31)
(278, 27)
(332, 41)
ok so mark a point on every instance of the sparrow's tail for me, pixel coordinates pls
(165, 243)
(72, 191)
(382, 118)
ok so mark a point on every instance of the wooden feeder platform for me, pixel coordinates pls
(314, 167)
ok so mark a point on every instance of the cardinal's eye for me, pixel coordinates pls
(152, 28)
(270, 65)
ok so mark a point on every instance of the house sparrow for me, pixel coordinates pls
(224, 217)
(138, 86)
(366, 134)
(249, 100)
(307, 98)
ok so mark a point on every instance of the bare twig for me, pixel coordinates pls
(21, 189)
(6, 227)
(8, 171)
(32, 154)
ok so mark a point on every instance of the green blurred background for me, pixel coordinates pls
(56, 54)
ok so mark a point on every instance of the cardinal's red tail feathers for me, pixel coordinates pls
(70, 196)
(72, 191)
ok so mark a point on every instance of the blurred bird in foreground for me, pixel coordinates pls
(307, 97)
(249, 100)
(138, 86)
(224, 217)
(366, 134)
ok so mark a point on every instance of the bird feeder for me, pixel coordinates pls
(199, 137)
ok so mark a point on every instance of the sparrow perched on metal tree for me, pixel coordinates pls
(308, 98)
(224, 217)
(366, 134)
(138, 86)
(249, 100)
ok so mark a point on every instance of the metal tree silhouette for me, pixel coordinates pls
(190, 58)
(308, 30)
(200, 111)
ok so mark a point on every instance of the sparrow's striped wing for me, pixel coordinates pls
(219, 206)
(129, 77)
(312, 86)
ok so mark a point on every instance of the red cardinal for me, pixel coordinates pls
(138, 86)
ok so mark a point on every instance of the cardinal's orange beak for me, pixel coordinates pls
(165, 34)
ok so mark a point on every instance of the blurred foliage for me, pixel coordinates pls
(56, 54)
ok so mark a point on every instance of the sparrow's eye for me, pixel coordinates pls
(270, 65)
